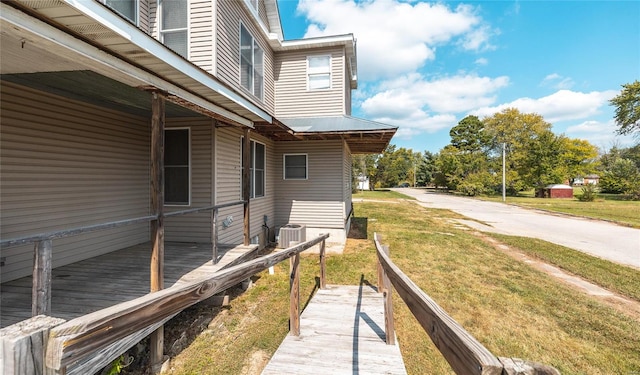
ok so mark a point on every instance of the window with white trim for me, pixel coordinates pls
(177, 167)
(318, 72)
(251, 63)
(295, 166)
(257, 164)
(174, 25)
(126, 8)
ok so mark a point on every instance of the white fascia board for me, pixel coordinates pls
(60, 43)
(138, 37)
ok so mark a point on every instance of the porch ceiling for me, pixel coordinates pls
(90, 87)
(62, 35)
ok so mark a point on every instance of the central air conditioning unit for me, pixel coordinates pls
(291, 233)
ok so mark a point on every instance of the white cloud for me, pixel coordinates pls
(557, 81)
(560, 106)
(601, 134)
(396, 37)
(400, 97)
(419, 122)
(482, 61)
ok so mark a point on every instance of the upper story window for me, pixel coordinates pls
(257, 164)
(173, 25)
(177, 166)
(127, 8)
(319, 72)
(251, 63)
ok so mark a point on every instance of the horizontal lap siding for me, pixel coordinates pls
(229, 14)
(228, 177)
(347, 178)
(201, 31)
(317, 201)
(292, 97)
(194, 227)
(143, 16)
(64, 165)
(265, 205)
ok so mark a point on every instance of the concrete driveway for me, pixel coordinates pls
(602, 239)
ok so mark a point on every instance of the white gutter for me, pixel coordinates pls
(154, 47)
(104, 63)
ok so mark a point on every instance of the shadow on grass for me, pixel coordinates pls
(358, 228)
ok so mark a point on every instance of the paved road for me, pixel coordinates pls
(602, 239)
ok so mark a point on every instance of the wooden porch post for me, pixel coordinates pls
(157, 226)
(246, 184)
(41, 284)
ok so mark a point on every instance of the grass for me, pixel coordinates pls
(382, 194)
(514, 310)
(607, 207)
(612, 276)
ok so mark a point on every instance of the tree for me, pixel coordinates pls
(426, 169)
(469, 135)
(627, 104)
(521, 132)
(621, 177)
(394, 166)
(578, 158)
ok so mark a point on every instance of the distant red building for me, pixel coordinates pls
(559, 191)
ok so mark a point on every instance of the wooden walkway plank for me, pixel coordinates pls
(341, 332)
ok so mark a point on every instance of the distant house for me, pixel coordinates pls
(591, 179)
(363, 182)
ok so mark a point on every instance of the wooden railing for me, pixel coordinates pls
(43, 249)
(78, 338)
(465, 354)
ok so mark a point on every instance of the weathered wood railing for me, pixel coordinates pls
(465, 354)
(80, 337)
(43, 249)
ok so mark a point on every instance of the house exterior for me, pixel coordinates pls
(156, 120)
(78, 82)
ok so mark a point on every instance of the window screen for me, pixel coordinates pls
(295, 167)
(176, 166)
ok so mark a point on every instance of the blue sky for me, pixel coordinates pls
(423, 66)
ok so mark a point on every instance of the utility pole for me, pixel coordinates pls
(504, 173)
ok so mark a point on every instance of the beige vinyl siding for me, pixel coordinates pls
(293, 99)
(229, 14)
(228, 179)
(143, 15)
(347, 179)
(262, 13)
(67, 164)
(262, 206)
(318, 200)
(347, 91)
(153, 19)
(194, 227)
(201, 47)
(229, 189)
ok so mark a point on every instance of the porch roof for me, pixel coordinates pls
(362, 136)
(82, 35)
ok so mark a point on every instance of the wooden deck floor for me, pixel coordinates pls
(341, 332)
(96, 283)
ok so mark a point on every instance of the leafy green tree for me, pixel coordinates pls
(578, 157)
(541, 164)
(621, 177)
(521, 132)
(627, 104)
(469, 135)
(450, 168)
(394, 166)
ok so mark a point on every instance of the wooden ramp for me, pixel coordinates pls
(341, 332)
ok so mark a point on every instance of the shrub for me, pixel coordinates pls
(589, 193)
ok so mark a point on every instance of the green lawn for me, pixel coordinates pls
(606, 207)
(380, 195)
(511, 308)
